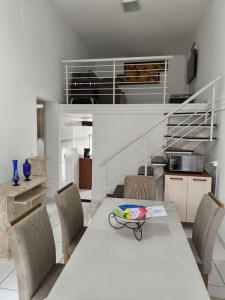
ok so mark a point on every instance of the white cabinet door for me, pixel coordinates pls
(197, 187)
(176, 191)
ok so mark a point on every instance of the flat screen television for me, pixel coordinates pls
(192, 66)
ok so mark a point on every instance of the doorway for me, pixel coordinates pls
(76, 152)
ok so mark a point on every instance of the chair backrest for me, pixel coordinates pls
(70, 213)
(140, 187)
(207, 221)
(33, 249)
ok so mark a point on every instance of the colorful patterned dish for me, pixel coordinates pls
(130, 212)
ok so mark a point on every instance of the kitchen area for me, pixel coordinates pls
(187, 178)
(76, 152)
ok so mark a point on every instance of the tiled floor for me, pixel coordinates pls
(8, 281)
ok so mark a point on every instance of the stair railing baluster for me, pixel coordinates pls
(212, 111)
(67, 85)
(106, 180)
(146, 155)
(114, 82)
(165, 81)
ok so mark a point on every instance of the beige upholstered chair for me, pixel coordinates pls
(207, 221)
(33, 250)
(71, 218)
(139, 187)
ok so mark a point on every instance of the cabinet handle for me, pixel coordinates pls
(198, 179)
(176, 178)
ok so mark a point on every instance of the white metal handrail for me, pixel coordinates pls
(141, 58)
(185, 127)
(180, 138)
(166, 117)
(87, 79)
(152, 155)
(147, 157)
(120, 175)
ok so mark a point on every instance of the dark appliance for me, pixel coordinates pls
(86, 152)
(179, 98)
(187, 163)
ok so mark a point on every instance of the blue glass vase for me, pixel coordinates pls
(16, 177)
(27, 170)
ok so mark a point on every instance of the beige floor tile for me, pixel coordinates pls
(221, 268)
(215, 277)
(219, 252)
(6, 267)
(8, 295)
(10, 282)
(217, 292)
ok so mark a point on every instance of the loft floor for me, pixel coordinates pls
(131, 108)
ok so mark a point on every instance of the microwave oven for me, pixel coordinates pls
(187, 163)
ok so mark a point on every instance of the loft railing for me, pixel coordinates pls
(116, 80)
(206, 117)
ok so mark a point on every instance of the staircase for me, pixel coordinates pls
(182, 128)
(185, 131)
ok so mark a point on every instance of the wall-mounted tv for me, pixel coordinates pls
(192, 65)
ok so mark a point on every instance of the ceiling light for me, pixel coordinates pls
(130, 5)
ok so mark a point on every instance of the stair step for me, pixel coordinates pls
(192, 125)
(174, 150)
(141, 171)
(191, 139)
(118, 192)
(158, 161)
(185, 114)
(190, 113)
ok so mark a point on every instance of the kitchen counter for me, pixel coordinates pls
(193, 174)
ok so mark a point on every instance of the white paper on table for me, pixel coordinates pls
(156, 211)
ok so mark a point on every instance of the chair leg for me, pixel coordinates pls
(205, 278)
(66, 258)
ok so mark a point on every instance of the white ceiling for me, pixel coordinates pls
(160, 27)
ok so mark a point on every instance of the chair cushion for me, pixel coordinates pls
(140, 187)
(75, 241)
(196, 255)
(33, 250)
(70, 213)
(48, 282)
(207, 221)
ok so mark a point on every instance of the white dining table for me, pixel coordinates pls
(110, 264)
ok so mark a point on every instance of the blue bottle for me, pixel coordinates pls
(27, 170)
(16, 177)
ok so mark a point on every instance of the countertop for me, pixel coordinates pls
(193, 174)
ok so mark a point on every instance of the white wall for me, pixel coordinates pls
(34, 38)
(211, 44)
(110, 132)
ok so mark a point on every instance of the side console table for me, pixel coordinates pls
(15, 200)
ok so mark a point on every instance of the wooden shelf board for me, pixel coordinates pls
(31, 195)
(8, 190)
